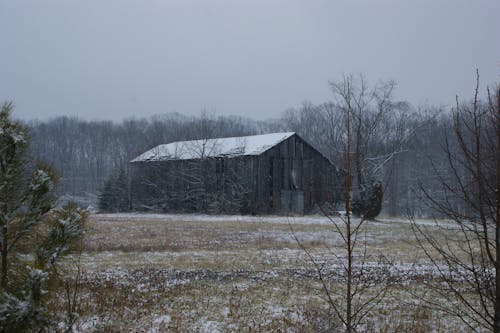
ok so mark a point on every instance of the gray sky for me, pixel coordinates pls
(112, 59)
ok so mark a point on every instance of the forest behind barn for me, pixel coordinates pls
(400, 145)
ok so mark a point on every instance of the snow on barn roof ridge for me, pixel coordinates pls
(217, 147)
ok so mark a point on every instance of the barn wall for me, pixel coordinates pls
(205, 185)
(291, 177)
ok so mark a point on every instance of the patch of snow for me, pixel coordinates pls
(208, 326)
(310, 219)
(87, 324)
(160, 324)
(240, 286)
(442, 223)
(306, 219)
(222, 147)
(85, 200)
(326, 237)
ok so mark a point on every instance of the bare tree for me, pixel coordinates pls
(468, 264)
(379, 132)
(369, 111)
(359, 294)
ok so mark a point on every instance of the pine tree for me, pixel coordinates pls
(114, 196)
(368, 203)
(33, 235)
(374, 202)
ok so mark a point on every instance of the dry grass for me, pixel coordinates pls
(149, 273)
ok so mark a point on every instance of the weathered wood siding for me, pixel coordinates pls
(291, 177)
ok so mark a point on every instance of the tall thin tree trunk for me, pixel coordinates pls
(348, 227)
(349, 272)
(3, 281)
(496, 322)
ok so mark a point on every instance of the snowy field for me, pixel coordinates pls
(203, 273)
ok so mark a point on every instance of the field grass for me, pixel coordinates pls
(195, 273)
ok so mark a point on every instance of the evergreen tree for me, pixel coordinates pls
(33, 236)
(114, 196)
(368, 203)
(374, 203)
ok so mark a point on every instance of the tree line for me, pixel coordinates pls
(397, 145)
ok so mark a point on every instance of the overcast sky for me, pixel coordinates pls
(112, 59)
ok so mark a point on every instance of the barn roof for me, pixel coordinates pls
(221, 147)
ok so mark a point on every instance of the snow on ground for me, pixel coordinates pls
(306, 219)
(219, 273)
(160, 324)
(153, 279)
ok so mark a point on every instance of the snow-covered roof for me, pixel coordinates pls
(222, 147)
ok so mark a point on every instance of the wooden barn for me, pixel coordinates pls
(260, 174)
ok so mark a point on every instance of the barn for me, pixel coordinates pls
(277, 173)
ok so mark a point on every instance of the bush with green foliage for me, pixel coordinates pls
(369, 202)
(114, 196)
